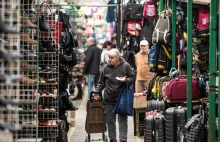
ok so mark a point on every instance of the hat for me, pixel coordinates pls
(144, 42)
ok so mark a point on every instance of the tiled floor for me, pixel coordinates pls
(78, 133)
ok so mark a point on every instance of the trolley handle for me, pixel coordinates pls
(92, 97)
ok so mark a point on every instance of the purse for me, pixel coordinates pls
(125, 101)
(51, 27)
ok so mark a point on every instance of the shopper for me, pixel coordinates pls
(143, 75)
(92, 62)
(104, 57)
(116, 67)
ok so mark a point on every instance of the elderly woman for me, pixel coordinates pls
(116, 67)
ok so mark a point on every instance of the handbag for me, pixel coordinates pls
(51, 27)
(125, 101)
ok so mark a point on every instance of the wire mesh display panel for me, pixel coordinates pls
(9, 69)
(38, 91)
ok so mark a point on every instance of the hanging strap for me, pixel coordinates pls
(48, 6)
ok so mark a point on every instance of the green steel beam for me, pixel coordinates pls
(219, 69)
(161, 6)
(189, 59)
(174, 33)
(212, 69)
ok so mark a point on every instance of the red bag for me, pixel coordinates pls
(57, 26)
(56, 34)
(177, 91)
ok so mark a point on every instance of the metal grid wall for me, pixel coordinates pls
(9, 69)
(38, 92)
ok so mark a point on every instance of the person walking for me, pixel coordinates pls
(143, 75)
(116, 67)
(92, 62)
(104, 57)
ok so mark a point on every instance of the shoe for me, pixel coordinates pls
(46, 108)
(12, 128)
(42, 80)
(51, 80)
(49, 122)
(48, 46)
(5, 102)
(52, 108)
(25, 21)
(5, 55)
(25, 38)
(29, 56)
(7, 29)
(43, 26)
(27, 80)
(27, 66)
(40, 107)
(47, 92)
(53, 122)
(74, 108)
(8, 79)
(113, 140)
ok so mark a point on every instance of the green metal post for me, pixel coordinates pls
(212, 69)
(218, 69)
(189, 59)
(161, 6)
(174, 33)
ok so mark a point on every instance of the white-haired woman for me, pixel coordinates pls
(116, 67)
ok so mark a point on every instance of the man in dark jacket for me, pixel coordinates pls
(92, 64)
(116, 67)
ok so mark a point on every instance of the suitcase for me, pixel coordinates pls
(154, 130)
(153, 105)
(175, 123)
(176, 89)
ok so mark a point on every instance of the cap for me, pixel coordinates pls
(144, 42)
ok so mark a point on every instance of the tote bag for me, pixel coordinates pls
(124, 104)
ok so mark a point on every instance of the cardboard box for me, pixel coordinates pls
(140, 102)
(71, 117)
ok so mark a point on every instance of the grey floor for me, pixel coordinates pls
(78, 133)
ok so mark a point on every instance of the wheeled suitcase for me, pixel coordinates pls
(154, 130)
(158, 105)
(95, 118)
(175, 123)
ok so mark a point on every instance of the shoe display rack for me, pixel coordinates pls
(9, 69)
(38, 113)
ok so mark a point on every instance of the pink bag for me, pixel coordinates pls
(203, 18)
(177, 91)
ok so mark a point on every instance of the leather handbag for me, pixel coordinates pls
(50, 28)
(125, 101)
(133, 12)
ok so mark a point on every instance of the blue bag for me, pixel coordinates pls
(153, 58)
(124, 104)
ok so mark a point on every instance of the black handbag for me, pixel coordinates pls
(133, 12)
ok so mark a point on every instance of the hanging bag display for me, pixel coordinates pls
(203, 18)
(162, 31)
(124, 104)
(132, 12)
(50, 28)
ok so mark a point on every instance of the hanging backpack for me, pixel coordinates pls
(179, 14)
(147, 31)
(150, 9)
(203, 18)
(162, 31)
(132, 12)
(153, 57)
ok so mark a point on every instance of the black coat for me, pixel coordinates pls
(113, 86)
(92, 60)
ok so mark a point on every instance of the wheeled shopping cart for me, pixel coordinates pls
(95, 118)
